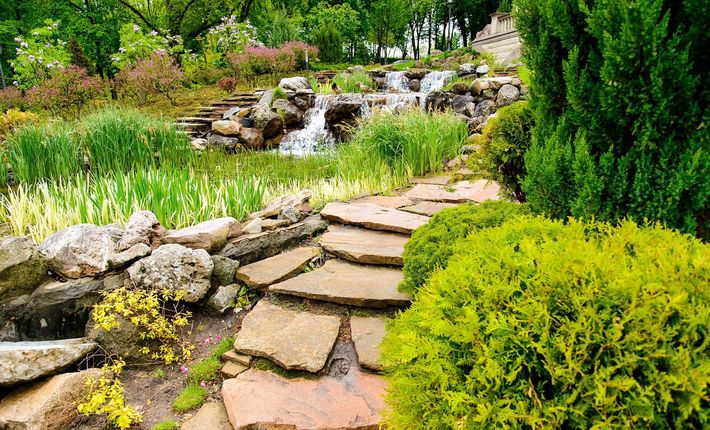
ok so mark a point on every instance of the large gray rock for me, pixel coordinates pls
(209, 235)
(292, 339)
(142, 227)
(438, 100)
(507, 94)
(254, 247)
(22, 267)
(222, 299)
(175, 267)
(342, 107)
(21, 362)
(224, 270)
(266, 120)
(45, 405)
(485, 108)
(467, 69)
(461, 103)
(88, 250)
(226, 127)
(267, 97)
(292, 116)
(483, 69)
(251, 138)
(275, 207)
(294, 84)
(416, 73)
(460, 88)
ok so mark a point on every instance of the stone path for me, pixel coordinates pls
(364, 243)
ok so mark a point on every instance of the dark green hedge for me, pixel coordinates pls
(432, 245)
(540, 325)
(621, 95)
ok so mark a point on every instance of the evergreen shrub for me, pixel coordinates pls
(503, 144)
(621, 95)
(432, 245)
(329, 42)
(543, 324)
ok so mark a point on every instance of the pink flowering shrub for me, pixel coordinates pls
(12, 98)
(228, 84)
(156, 75)
(66, 92)
(253, 62)
(299, 51)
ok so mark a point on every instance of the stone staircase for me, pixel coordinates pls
(325, 321)
(201, 121)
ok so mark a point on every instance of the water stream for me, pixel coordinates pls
(314, 135)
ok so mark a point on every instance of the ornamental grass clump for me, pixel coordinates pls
(544, 324)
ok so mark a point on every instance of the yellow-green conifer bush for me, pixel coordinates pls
(540, 324)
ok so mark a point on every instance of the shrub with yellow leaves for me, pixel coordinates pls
(105, 396)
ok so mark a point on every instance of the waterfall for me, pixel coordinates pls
(314, 135)
(436, 80)
(392, 102)
(396, 81)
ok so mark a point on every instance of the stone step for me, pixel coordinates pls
(235, 357)
(232, 369)
(373, 216)
(190, 125)
(347, 284)
(367, 334)
(394, 202)
(275, 269)
(260, 399)
(194, 119)
(364, 246)
(428, 208)
(459, 192)
(292, 339)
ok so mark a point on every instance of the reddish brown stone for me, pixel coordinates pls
(264, 400)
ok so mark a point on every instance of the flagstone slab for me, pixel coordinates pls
(427, 208)
(372, 216)
(346, 283)
(367, 334)
(394, 202)
(364, 246)
(264, 400)
(292, 339)
(280, 267)
(460, 192)
(434, 180)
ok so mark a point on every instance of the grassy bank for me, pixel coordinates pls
(115, 163)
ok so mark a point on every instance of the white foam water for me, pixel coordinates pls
(436, 80)
(396, 81)
(314, 136)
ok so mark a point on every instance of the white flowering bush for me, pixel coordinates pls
(38, 54)
(138, 45)
(231, 36)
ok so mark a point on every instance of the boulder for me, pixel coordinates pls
(292, 115)
(498, 81)
(46, 405)
(467, 69)
(224, 270)
(226, 127)
(343, 107)
(224, 142)
(22, 267)
(266, 120)
(251, 138)
(294, 84)
(460, 88)
(142, 227)
(483, 69)
(460, 103)
(303, 102)
(358, 69)
(88, 250)
(507, 94)
(489, 94)
(174, 266)
(275, 207)
(22, 362)
(122, 340)
(438, 100)
(267, 98)
(222, 299)
(415, 85)
(199, 144)
(416, 73)
(253, 227)
(485, 108)
(209, 235)
(478, 85)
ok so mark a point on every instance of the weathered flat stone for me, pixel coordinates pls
(237, 358)
(348, 284)
(459, 192)
(394, 202)
(22, 362)
(275, 269)
(22, 267)
(45, 405)
(81, 250)
(209, 235)
(211, 416)
(364, 246)
(428, 208)
(254, 247)
(232, 369)
(292, 339)
(373, 216)
(367, 334)
(434, 180)
(259, 399)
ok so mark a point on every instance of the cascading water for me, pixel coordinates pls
(314, 135)
(396, 81)
(436, 80)
(392, 102)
